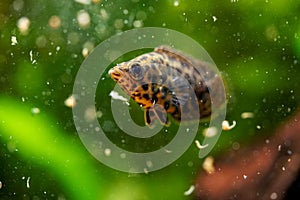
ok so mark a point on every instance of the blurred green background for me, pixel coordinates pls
(256, 45)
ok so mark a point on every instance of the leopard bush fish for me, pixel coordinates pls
(167, 81)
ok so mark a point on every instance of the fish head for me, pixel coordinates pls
(128, 75)
(139, 78)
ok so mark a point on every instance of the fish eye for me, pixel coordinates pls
(136, 71)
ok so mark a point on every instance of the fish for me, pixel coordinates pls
(166, 82)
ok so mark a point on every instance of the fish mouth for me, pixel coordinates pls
(115, 74)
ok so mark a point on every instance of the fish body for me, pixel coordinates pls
(167, 81)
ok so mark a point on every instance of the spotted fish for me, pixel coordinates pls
(167, 81)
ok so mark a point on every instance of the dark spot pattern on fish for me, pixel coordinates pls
(165, 74)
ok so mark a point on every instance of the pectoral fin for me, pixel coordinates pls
(156, 112)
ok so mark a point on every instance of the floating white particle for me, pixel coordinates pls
(30, 55)
(214, 18)
(54, 22)
(125, 12)
(226, 126)
(85, 52)
(107, 152)
(123, 155)
(83, 19)
(13, 40)
(70, 101)
(189, 191)
(208, 165)
(246, 115)
(273, 195)
(176, 3)
(283, 168)
(210, 132)
(33, 61)
(146, 171)
(85, 2)
(115, 95)
(168, 151)
(267, 141)
(23, 25)
(104, 14)
(279, 147)
(0, 184)
(138, 23)
(27, 182)
(258, 127)
(23, 99)
(90, 114)
(149, 163)
(199, 146)
(87, 48)
(35, 111)
(245, 176)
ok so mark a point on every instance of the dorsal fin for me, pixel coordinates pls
(204, 68)
(172, 52)
(183, 57)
